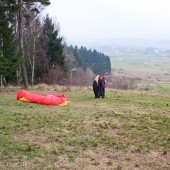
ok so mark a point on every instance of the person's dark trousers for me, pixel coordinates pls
(100, 92)
(95, 92)
(103, 92)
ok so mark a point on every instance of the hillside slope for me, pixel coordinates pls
(126, 130)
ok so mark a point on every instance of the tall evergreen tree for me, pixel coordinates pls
(9, 55)
(78, 57)
(42, 61)
(55, 53)
(9, 8)
(50, 49)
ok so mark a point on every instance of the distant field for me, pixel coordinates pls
(126, 130)
(160, 88)
(141, 63)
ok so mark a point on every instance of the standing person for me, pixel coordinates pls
(103, 86)
(100, 86)
(96, 87)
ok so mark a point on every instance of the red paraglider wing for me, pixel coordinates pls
(50, 99)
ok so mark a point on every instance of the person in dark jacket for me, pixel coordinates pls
(103, 86)
(96, 86)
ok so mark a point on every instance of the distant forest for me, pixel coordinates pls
(97, 61)
(32, 52)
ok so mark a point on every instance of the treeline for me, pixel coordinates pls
(31, 50)
(97, 61)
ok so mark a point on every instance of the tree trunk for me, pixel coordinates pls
(20, 29)
(4, 81)
(0, 80)
(33, 57)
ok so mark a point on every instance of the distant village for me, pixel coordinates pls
(135, 50)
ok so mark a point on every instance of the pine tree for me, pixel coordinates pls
(50, 50)
(10, 9)
(42, 61)
(55, 53)
(9, 56)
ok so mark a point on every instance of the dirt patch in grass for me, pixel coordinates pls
(112, 159)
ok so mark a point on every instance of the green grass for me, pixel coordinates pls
(161, 88)
(124, 130)
(144, 63)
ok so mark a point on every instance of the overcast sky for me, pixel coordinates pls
(97, 20)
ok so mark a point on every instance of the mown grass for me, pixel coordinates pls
(126, 130)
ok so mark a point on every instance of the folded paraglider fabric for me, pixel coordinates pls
(50, 99)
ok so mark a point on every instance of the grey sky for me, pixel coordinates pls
(91, 20)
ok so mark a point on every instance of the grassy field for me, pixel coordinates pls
(126, 130)
(141, 63)
(152, 70)
(161, 88)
